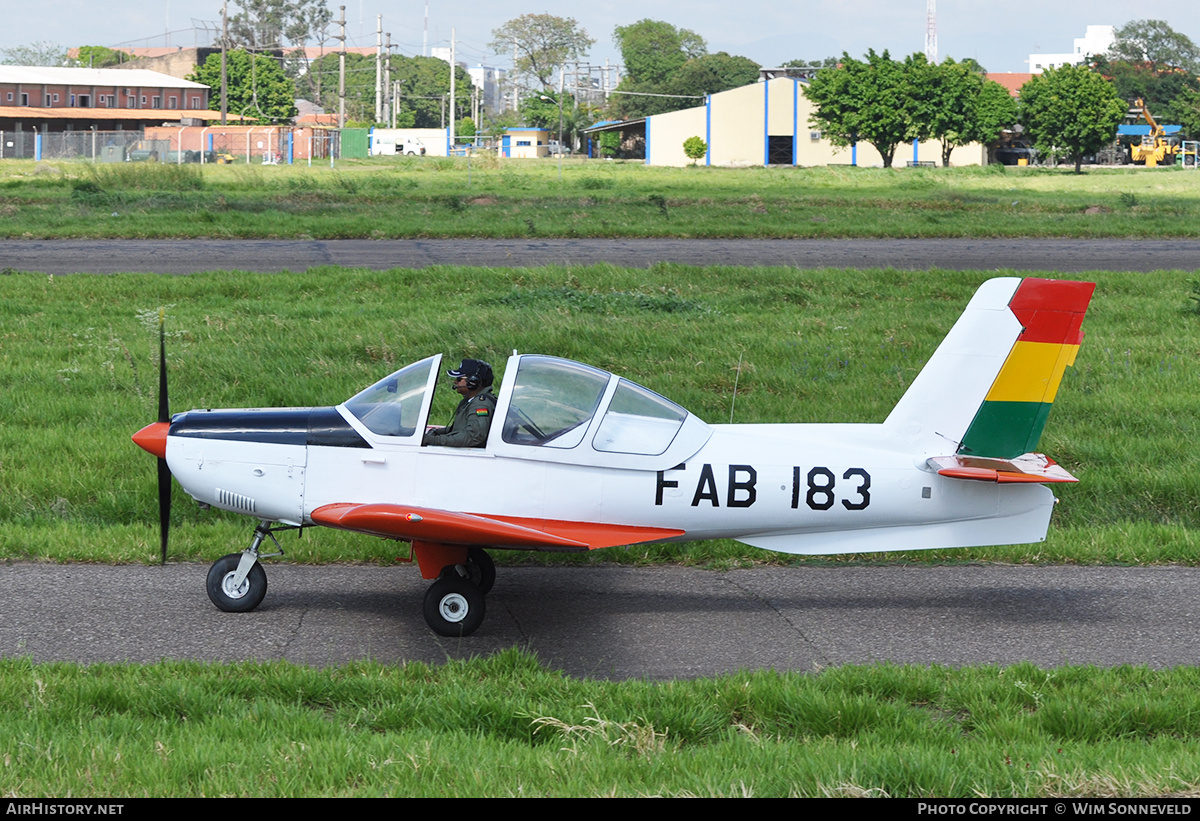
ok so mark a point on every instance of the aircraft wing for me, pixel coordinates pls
(449, 527)
(1030, 467)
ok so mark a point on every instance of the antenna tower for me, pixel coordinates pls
(931, 31)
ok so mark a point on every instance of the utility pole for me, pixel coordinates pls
(224, 74)
(388, 114)
(342, 71)
(379, 68)
(453, 74)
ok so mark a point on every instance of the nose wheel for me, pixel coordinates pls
(237, 583)
(231, 594)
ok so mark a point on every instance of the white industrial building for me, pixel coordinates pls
(767, 123)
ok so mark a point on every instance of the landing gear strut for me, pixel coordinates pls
(237, 583)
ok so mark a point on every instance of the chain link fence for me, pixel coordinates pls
(96, 146)
(266, 145)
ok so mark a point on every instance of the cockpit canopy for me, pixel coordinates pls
(548, 409)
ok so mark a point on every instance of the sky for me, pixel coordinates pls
(999, 36)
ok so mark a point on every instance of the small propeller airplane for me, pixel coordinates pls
(584, 459)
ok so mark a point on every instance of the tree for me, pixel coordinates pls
(102, 57)
(864, 102)
(652, 51)
(274, 24)
(256, 86)
(965, 107)
(828, 62)
(1162, 87)
(694, 148)
(322, 79)
(1155, 42)
(424, 88)
(42, 53)
(282, 26)
(541, 44)
(1070, 110)
(667, 69)
(712, 73)
(1189, 112)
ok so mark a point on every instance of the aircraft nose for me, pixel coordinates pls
(153, 439)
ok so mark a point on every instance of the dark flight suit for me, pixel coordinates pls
(469, 428)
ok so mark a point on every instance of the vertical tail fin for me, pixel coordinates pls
(988, 388)
(1013, 414)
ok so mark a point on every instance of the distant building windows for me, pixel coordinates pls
(172, 102)
(156, 101)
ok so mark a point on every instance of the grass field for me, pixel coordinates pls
(79, 376)
(506, 727)
(487, 197)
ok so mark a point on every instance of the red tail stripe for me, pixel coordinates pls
(1052, 309)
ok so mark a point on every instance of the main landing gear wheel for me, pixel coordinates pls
(453, 606)
(481, 568)
(243, 598)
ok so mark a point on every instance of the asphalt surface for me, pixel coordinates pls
(268, 256)
(617, 622)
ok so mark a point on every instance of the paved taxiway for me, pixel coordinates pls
(618, 622)
(192, 256)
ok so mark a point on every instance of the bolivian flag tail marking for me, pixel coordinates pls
(1010, 421)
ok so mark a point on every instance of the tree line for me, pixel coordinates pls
(1067, 112)
(1071, 111)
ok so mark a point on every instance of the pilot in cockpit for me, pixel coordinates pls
(473, 416)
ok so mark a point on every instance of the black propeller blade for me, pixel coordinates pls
(164, 415)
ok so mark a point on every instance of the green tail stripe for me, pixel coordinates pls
(1005, 430)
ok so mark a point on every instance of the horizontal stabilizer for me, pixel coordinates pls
(1031, 467)
(448, 527)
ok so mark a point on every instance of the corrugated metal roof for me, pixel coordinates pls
(125, 77)
(30, 113)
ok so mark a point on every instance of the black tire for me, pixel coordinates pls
(482, 569)
(453, 607)
(243, 600)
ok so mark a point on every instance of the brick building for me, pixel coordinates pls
(47, 99)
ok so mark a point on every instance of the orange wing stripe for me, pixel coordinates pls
(446, 527)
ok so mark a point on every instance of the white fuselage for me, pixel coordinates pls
(804, 488)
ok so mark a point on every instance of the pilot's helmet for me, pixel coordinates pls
(477, 372)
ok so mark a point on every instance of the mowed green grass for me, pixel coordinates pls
(78, 375)
(487, 197)
(506, 727)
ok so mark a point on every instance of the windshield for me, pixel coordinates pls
(392, 406)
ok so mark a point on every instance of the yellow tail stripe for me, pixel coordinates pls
(1032, 372)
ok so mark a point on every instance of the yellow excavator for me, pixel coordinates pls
(1155, 148)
